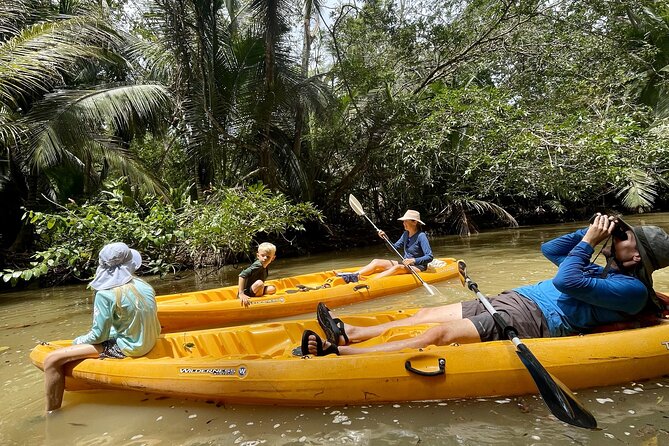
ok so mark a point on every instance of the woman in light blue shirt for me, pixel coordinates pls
(125, 319)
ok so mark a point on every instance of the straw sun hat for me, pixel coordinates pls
(412, 215)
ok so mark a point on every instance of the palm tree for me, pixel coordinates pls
(237, 89)
(460, 213)
(49, 123)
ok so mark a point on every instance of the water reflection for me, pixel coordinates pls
(636, 413)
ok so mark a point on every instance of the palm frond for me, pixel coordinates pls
(33, 61)
(459, 212)
(127, 166)
(10, 131)
(12, 14)
(151, 58)
(66, 120)
(640, 192)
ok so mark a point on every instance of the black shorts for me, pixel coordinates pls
(249, 292)
(111, 350)
(519, 312)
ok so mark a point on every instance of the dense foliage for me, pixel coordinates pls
(170, 236)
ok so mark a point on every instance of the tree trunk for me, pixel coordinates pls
(24, 239)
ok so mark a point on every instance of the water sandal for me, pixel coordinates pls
(332, 327)
(349, 277)
(304, 347)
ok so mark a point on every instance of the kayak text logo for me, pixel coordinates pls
(209, 371)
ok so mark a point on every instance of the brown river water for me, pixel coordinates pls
(635, 413)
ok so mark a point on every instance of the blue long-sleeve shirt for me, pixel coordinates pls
(415, 247)
(578, 298)
(134, 325)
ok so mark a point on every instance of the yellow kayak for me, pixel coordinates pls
(253, 364)
(295, 295)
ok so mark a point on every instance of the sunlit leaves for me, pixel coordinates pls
(170, 236)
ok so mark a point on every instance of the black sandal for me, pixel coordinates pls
(332, 327)
(304, 347)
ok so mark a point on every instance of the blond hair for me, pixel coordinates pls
(267, 247)
(119, 291)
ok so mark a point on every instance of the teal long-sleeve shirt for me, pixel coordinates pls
(134, 325)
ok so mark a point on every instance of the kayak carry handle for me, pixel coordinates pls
(441, 371)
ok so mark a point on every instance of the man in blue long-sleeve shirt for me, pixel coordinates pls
(581, 296)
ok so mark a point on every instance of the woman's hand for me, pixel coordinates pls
(382, 234)
(409, 262)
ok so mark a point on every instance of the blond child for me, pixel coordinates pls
(252, 279)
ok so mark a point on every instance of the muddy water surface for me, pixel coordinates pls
(633, 413)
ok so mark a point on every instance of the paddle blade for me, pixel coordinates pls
(430, 289)
(462, 272)
(559, 399)
(355, 205)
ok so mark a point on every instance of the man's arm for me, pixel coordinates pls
(616, 292)
(556, 250)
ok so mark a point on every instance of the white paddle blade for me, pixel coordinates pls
(430, 289)
(355, 205)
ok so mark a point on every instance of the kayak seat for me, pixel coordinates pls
(640, 322)
(173, 348)
(240, 342)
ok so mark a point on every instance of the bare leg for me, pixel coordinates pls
(397, 269)
(375, 265)
(257, 288)
(431, 315)
(462, 331)
(54, 377)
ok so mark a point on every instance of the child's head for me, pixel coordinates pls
(267, 249)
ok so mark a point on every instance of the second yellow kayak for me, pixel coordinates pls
(295, 295)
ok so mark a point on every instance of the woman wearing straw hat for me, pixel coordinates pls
(125, 320)
(417, 251)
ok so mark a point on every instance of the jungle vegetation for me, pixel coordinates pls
(478, 113)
